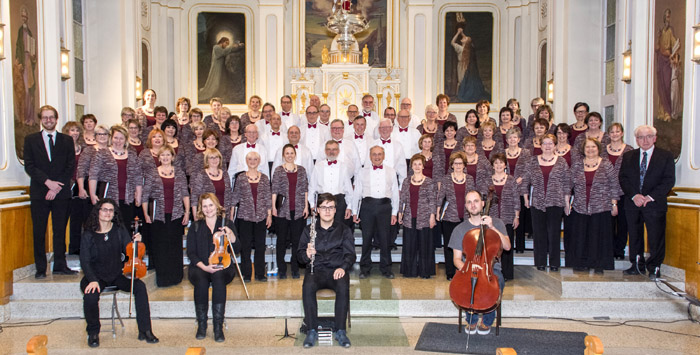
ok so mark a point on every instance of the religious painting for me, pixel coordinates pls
(667, 73)
(23, 35)
(375, 36)
(468, 56)
(221, 57)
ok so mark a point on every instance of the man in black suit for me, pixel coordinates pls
(647, 175)
(49, 159)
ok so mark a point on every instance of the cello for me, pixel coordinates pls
(134, 266)
(474, 287)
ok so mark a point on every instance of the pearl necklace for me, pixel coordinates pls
(592, 166)
(417, 182)
(514, 155)
(459, 182)
(214, 176)
(198, 145)
(450, 145)
(499, 181)
(165, 174)
(134, 141)
(253, 179)
(613, 150)
(472, 162)
(293, 170)
(547, 161)
(119, 154)
(563, 152)
(489, 147)
(474, 132)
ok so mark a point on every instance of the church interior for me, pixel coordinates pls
(634, 62)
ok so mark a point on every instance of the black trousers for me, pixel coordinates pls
(569, 239)
(201, 279)
(375, 220)
(341, 206)
(619, 226)
(655, 221)
(546, 226)
(288, 232)
(323, 279)
(525, 222)
(252, 234)
(417, 253)
(91, 303)
(79, 211)
(507, 255)
(592, 246)
(40, 210)
(166, 240)
(127, 212)
(447, 229)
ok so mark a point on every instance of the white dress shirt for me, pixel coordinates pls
(408, 139)
(393, 157)
(372, 119)
(315, 138)
(331, 178)
(289, 119)
(273, 142)
(376, 183)
(238, 163)
(303, 158)
(415, 121)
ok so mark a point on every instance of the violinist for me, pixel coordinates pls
(475, 205)
(200, 246)
(102, 248)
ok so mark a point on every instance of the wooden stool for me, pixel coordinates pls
(498, 318)
(330, 294)
(113, 290)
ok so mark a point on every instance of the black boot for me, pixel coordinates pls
(201, 311)
(218, 312)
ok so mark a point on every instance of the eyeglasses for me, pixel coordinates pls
(326, 208)
(107, 210)
(101, 134)
(325, 111)
(646, 137)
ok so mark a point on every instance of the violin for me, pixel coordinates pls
(220, 258)
(134, 266)
(475, 288)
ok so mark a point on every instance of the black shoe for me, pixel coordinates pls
(261, 279)
(580, 268)
(311, 337)
(449, 278)
(388, 275)
(93, 340)
(554, 268)
(598, 271)
(520, 251)
(295, 275)
(40, 275)
(364, 275)
(65, 271)
(342, 338)
(619, 257)
(201, 311)
(218, 312)
(631, 271)
(540, 268)
(148, 337)
(246, 279)
(655, 275)
(282, 277)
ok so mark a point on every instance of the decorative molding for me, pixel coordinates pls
(145, 12)
(543, 13)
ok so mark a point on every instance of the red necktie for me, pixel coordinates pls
(403, 129)
(312, 125)
(276, 133)
(350, 123)
(247, 145)
(367, 114)
(359, 136)
(331, 162)
(296, 146)
(386, 141)
(267, 122)
(377, 167)
(285, 113)
(340, 141)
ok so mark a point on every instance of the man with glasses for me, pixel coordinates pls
(274, 133)
(647, 175)
(238, 155)
(324, 115)
(289, 118)
(530, 130)
(348, 152)
(314, 134)
(331, 176)
(368, 110)
(407, 105)
(333, 253)
(49, 159)
(353, 113)
(406, 135)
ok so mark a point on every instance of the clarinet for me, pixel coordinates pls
(312, 240)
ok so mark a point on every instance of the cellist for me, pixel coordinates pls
(475, 205)
(102, 248)
(210, 223)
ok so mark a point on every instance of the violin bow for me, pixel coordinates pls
(134, 251)
(235, 260)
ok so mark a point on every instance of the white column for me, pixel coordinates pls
(270, 81)
(420, 53)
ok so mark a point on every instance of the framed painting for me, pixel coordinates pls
(375, 36)
(23, 35)
(667, 72)
(468, 66)
(221, 57)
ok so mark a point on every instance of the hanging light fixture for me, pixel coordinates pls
(65, 62)
(627, 64)
(550, 90)
(139, 88)
(696, 44)
(2, 41)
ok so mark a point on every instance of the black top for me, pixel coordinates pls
(200, 242)
(102, 254)
(335, 247)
